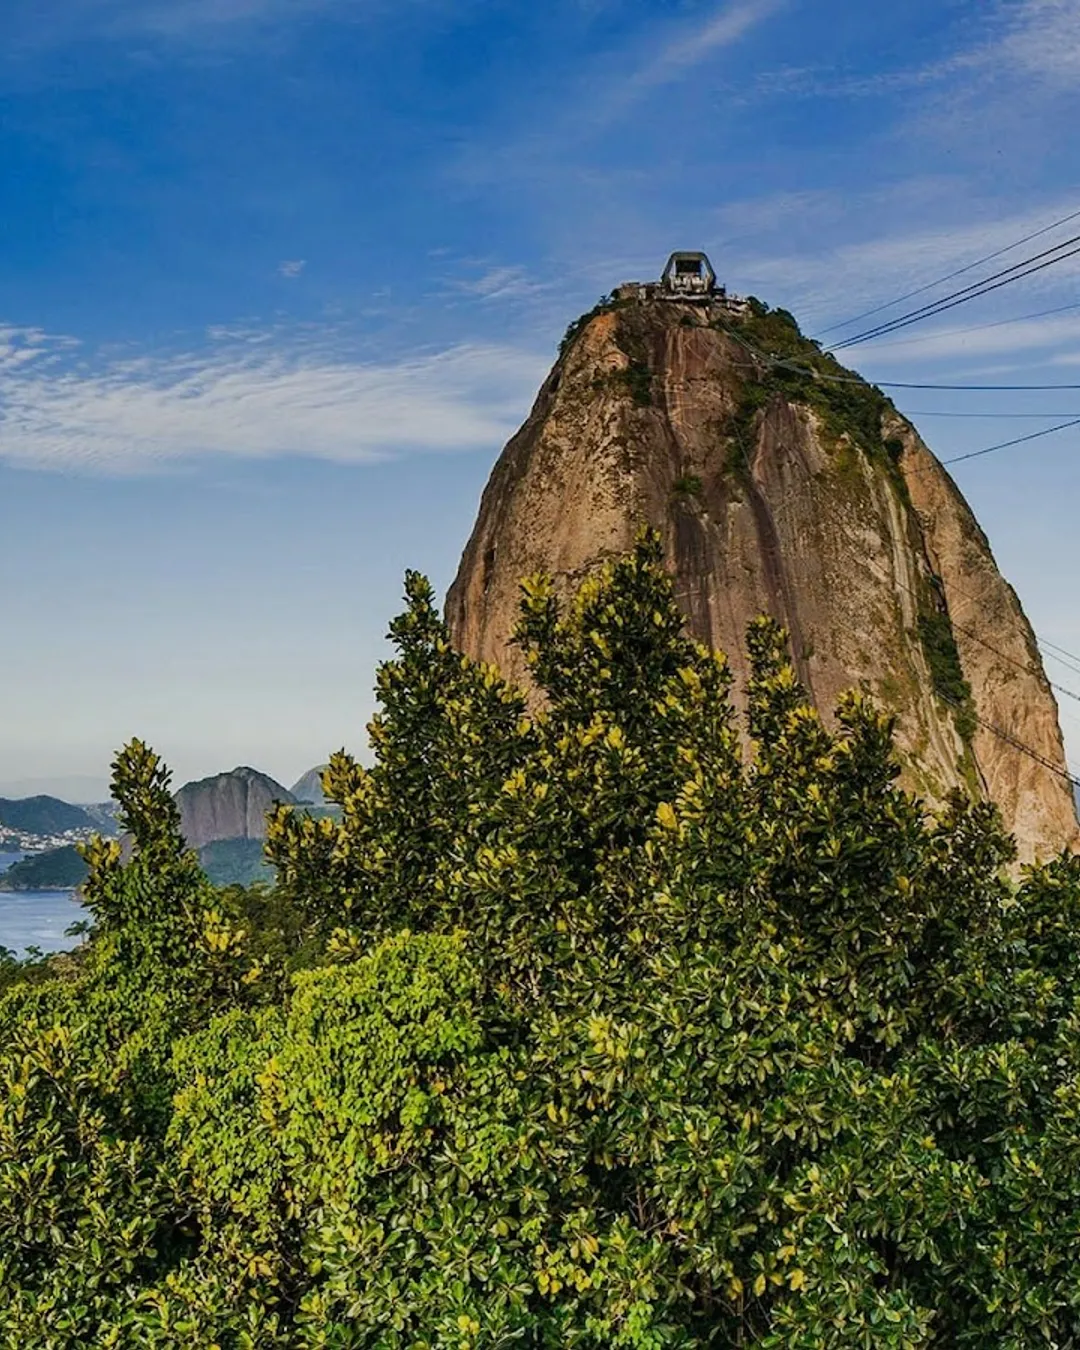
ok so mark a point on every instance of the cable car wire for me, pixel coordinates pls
(982, 327)
(1056, 653)
(1004, 445)
(989, 416)
(963, 388)
(781, 363)
(994, 282)
(773, 361)
(949, 276)
(1017, 744)
(1066, 773)
(1027, 666)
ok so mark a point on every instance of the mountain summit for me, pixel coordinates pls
(228, 806)
(781, 483)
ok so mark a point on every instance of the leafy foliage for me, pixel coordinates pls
(637, 381)
(579, 1028)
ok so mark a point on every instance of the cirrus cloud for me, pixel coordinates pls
(255, 396)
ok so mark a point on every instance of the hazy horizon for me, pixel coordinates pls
(86, 790)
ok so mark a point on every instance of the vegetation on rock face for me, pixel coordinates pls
(577, 326)
(576, 1030)
(637, 380)
(686, 485)
(946, 672)
(637, 377)
(847, 409)
(847, 405)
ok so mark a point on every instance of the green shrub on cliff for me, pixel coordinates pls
(578, 1029)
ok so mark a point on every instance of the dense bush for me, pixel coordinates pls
(580, 1028)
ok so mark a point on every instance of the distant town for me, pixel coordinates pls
(22, 841)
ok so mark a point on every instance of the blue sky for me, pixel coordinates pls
(279, 277)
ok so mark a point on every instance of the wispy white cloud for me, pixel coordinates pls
(828, 82)
(1040, 38)
(683, 50)
(499, 283)
(250, 397)
(1033, 43)
(21, 346)
(994, 99)
(982, 108)
(810, 213)
(601, 93)
(292, 267)
(695, 45)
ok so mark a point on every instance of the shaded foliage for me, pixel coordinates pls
(577, 1029)
(946, 672)
(235, 862)
(847, 405)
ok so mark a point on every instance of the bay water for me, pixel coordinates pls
(37, 918)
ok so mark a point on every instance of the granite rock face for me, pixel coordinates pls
(308, 788)
(794, 490)
(228, 806)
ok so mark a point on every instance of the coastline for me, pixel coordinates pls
(37, 918)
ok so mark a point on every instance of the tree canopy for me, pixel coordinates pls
(608, 1017)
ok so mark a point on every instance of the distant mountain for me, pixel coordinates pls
(223, 818)
(228, 806)
(43, 815)
(308, 789)
(227, 862)
(57, 869)
(103, 814)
